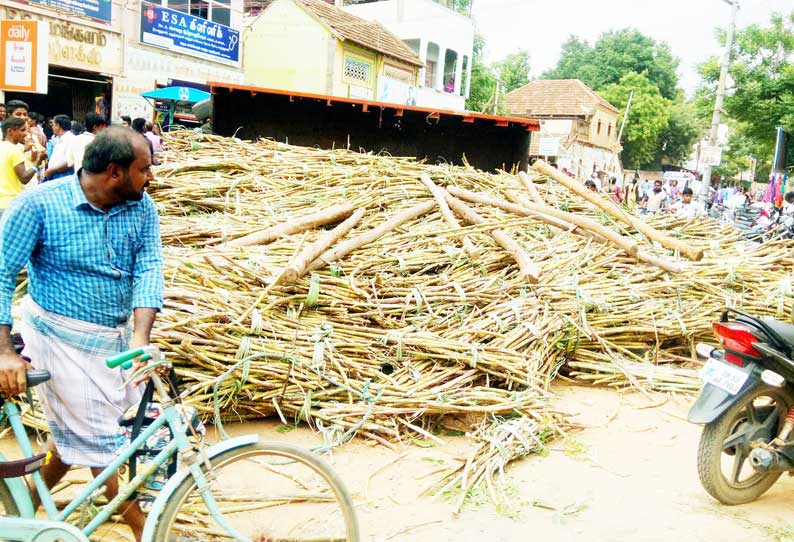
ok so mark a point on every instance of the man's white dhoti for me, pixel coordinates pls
(83, 400)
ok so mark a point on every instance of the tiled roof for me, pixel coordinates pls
(368, 34)
(555, 98)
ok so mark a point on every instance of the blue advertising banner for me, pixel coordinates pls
(182, 33)
(94, 9)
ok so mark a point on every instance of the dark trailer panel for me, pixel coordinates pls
(487, 142)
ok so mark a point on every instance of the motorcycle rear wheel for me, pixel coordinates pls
(757, 416)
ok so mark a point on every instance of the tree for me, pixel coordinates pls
(763, 97)
(648, 119)
(683, 129)
(615, 54)
(482, 90)
(514, 70)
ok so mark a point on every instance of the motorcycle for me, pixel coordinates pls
(746, 407)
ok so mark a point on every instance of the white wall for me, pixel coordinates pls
(427, 21)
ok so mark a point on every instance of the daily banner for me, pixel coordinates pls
(94, 9)
(183, 33)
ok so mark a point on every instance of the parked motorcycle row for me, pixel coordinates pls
(760, 222)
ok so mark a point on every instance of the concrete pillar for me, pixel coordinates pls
(423, 58)
(458, 73)
(439, 77)
(468, 77)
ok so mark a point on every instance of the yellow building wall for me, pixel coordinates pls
(348, 88)
(285, 48)
(607, 136)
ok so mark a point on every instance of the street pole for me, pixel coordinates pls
(625, 116)
(715, 119)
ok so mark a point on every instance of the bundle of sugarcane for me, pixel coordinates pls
(442, 290)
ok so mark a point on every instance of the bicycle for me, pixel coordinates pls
(176, 513)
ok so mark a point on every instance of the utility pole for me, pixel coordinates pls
(715, 119)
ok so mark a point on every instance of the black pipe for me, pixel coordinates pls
(780, 151)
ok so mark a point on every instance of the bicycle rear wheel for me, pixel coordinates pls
(269, 492)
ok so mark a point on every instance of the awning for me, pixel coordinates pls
(177, 94)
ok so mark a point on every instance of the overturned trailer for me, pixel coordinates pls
(486, 142)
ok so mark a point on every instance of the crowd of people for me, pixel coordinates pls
(36, 149)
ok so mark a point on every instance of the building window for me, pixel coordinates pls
(217, 11)
(609, 130)
(430, 74)
(357, 71)
(598, 130)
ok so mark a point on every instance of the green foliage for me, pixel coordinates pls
(514, 70)
(661, 127)
(483, 88)
(763, 97)
(615, 54)
(648, 119)
(683, 129)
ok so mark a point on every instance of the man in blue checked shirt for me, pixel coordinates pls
(92, 247)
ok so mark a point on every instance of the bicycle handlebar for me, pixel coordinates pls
(124, 359)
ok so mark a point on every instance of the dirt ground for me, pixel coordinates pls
(630, 475)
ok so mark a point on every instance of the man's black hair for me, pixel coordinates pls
(687, 192)
(92, 120)
(789, 196)
(77, 127)
(13, 105)
(11, 123)
(63, 121)
(114, 145)
(127, 119)
(139, 125)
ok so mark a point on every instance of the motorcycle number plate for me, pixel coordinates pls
(724, 376)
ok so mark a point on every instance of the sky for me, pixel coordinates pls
(541, 26)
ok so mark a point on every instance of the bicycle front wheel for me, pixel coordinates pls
(268, 492)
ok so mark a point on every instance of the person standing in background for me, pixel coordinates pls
(14, 173)
(93, 125)
(126, 121)
(34, 127)
(2, 112)
(59, 160)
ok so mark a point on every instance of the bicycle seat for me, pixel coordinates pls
(22, 467)
(37, 377)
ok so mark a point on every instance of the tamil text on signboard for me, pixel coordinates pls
(182, 33)
(23, 50)
(99, 10)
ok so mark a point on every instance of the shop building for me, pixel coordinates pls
(103, 54)
(85, 56)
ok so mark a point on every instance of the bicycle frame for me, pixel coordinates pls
(180, 443)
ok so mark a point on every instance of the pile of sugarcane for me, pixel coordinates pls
(379, 296)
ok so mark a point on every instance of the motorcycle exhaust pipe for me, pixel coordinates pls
(764, 460)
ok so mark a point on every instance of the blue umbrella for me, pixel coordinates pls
(177, 94)
(174, 95)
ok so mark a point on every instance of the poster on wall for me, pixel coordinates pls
(23, 52)
(99, 10)
(182, 33)
(396, 91)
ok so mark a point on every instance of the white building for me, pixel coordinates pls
(443, 39)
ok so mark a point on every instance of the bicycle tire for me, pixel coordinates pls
(343, 499)
(7, 502)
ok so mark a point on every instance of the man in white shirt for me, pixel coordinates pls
(93, 125)
(60, 161)
(655, 201)
(687, 207)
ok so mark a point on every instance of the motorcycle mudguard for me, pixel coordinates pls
(713, 401)
(165, 494)
(20, 494)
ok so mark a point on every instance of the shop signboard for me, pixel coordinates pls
(710, 156)
(182, 33)
(99, 10)
(549, 146)
(76, 46)
(23, 56)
